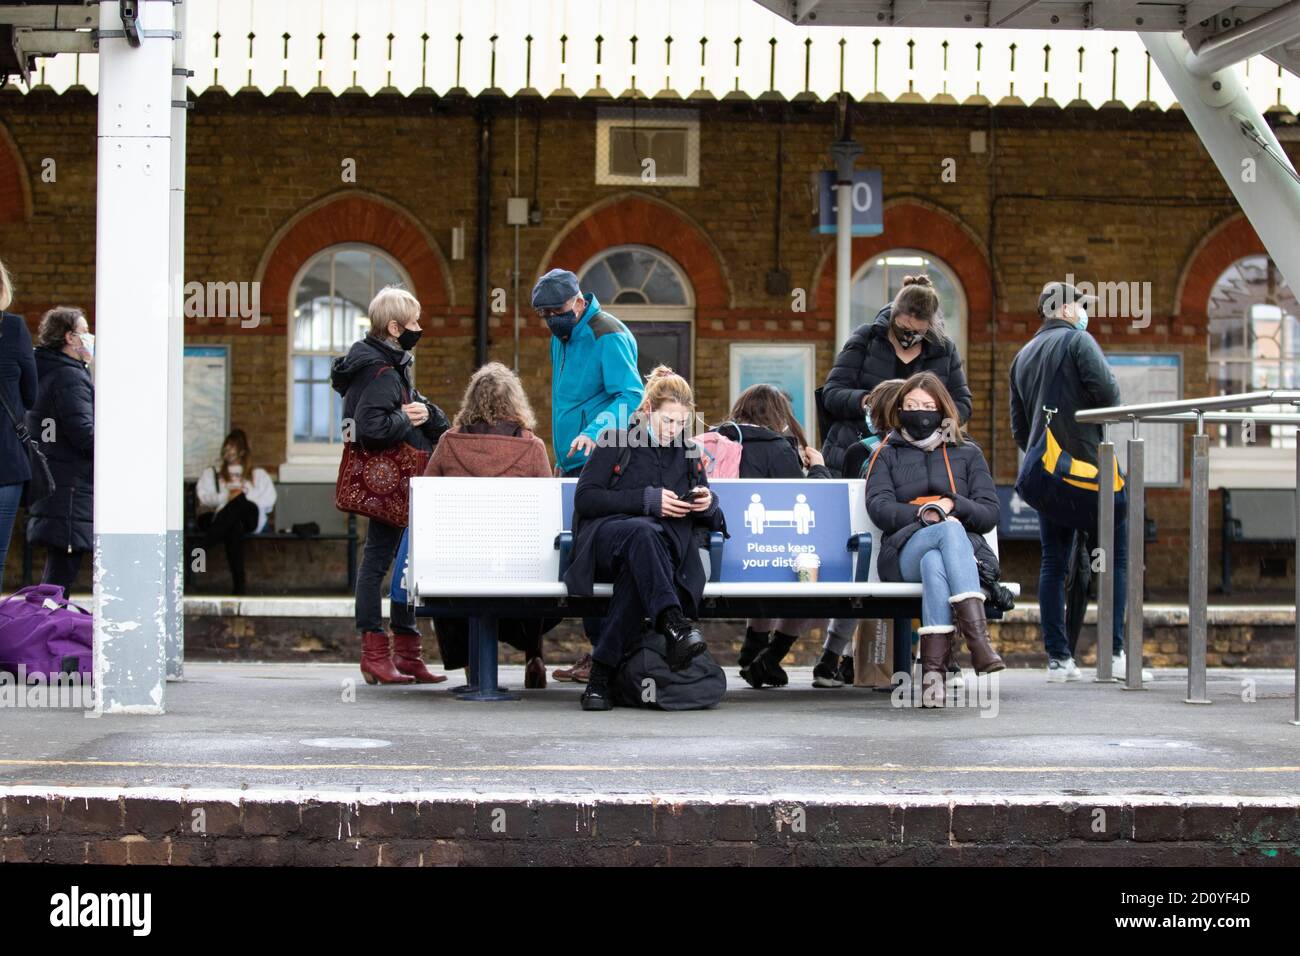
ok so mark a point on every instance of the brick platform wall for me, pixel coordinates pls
(1058, 191)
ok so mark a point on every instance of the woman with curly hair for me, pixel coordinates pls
(492, 437)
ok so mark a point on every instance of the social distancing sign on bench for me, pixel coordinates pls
(772, 522)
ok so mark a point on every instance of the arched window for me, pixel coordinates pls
(879, 280)
(327, 313)
(1254, 326)
(652, 295)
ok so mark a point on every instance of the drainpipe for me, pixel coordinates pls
(484, 221)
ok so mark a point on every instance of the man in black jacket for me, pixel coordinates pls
(1063, 357)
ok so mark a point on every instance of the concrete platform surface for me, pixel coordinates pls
(291, 728)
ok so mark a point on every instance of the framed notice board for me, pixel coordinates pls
(206, 397)
(1144, 378)
(788, 366)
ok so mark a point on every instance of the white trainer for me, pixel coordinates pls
(1119, 668)
(1058, 672)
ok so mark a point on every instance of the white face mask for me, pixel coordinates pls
(88, 343)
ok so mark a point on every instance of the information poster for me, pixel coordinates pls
(1145, 378)
(788, 367)
(206, 400)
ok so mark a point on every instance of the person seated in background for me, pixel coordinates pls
(930, 493)
(835, 669)
(773, 445)
(492, 437)
(234, 499)
(640, 501)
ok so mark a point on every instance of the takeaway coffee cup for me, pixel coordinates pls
(806, 566)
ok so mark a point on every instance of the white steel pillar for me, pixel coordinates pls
(175, 626)
(1241, 144)
(131, 389)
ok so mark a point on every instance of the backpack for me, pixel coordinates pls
(41, 631)
(644, 678)
(721, 454)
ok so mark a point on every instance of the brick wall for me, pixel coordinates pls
(1107, 195)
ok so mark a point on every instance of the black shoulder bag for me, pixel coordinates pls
(41, 484)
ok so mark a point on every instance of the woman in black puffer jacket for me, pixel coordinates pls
(907, 337)
(930, 493)
(63, 418)
(773, 445)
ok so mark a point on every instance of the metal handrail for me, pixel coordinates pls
(1124, 413)
(1199, 412)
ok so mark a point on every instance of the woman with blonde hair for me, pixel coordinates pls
(17, 394)
(640, 501)
(492, 437)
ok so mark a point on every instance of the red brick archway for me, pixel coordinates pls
(342, 218)
(910, 224)
(628, 219)
(1232, 239)
(15, 189)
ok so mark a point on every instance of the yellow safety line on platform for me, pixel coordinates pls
(596, 768)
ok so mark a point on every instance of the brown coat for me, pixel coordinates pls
(461, 454)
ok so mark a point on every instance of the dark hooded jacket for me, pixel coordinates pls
(65, 402)
(768, 454)
(601, 497)
(1061, 357)
(902, 472)
(18, 386)
(375, 382)
(868, 359)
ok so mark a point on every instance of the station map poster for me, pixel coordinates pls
(1145, 378)
(789, 367)
(206, 400)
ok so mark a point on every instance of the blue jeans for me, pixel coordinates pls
(940, 556)
(10, 496)
(1056, 540)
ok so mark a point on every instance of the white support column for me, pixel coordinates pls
(175, 625)
(131, 400)
(1218, 107)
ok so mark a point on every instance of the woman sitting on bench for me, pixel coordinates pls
(930, 492)
(772, 445)
(639, 502)
(234, 499)
(492, 437)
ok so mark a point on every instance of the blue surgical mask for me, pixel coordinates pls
(1082, 318)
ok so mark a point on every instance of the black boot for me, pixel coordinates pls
(827, 671)
(596, 696)
(766, 668)
(755, 641)
(684, 638)
(846, 670)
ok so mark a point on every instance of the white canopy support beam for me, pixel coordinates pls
(131, 387)
(1275, 28)
(176, 362)
(1242, 145)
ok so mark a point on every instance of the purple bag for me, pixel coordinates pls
(45, 633)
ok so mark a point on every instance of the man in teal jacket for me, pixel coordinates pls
(595, 384)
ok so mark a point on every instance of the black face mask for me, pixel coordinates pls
(406, 341)
(920, 424)
(906, 337)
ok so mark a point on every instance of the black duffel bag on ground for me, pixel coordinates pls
(644, 679)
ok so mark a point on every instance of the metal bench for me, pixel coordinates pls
(484, 548)
(1258, 515)
(296, 503)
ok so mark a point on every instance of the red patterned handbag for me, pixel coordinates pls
(377, 484)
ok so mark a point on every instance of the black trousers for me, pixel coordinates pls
(227, 527)
(62, 567)
(376, 558)
(635, 556)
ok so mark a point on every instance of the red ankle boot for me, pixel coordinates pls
(377, 662)
(408, 659)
